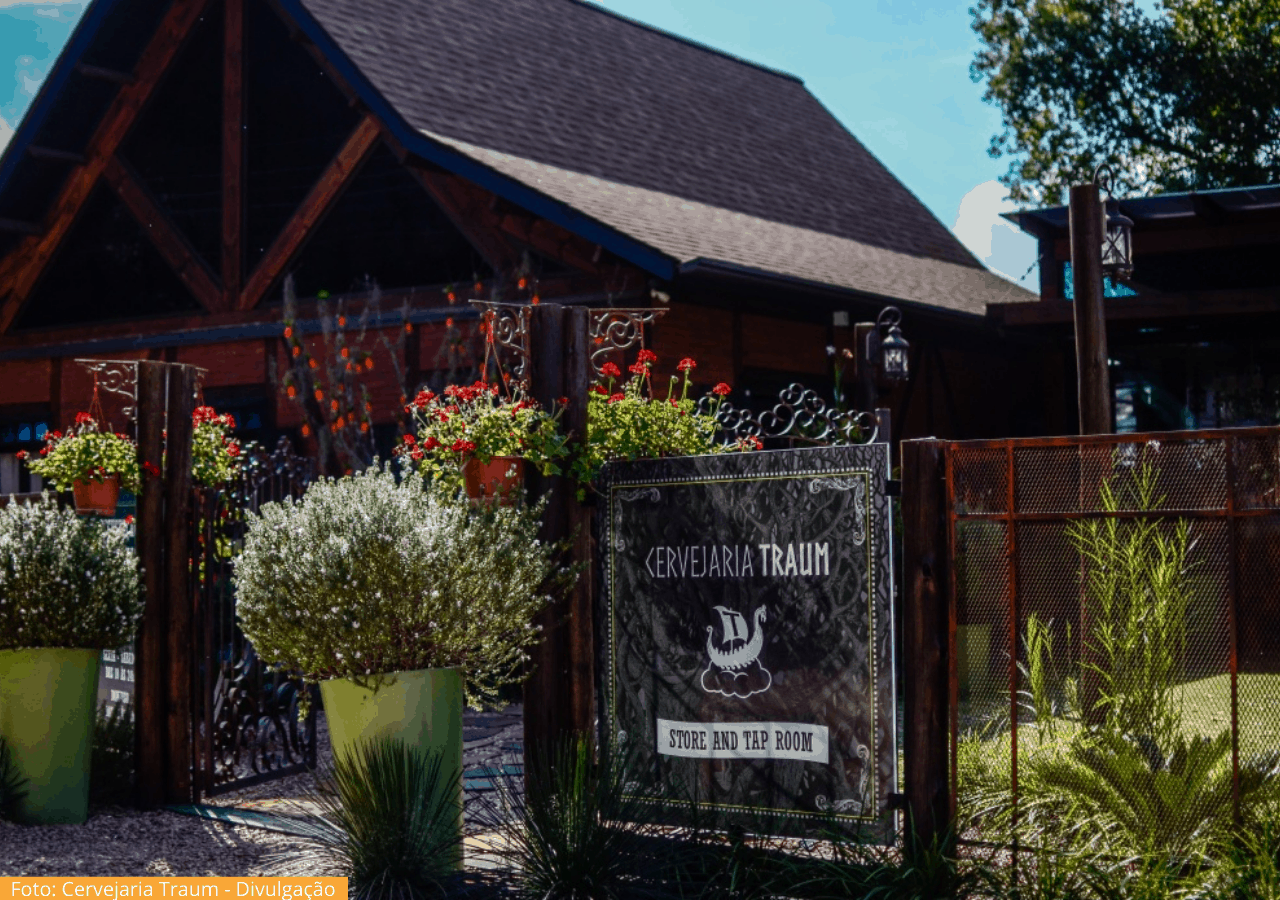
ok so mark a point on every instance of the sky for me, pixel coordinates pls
(894, 72)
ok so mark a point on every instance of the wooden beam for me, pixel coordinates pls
(180, 649)
(319, 201)
(38, 152)
(475, 223)
(173, 246)
(1153, 309)
(233, 126)
(22, 268)
(20, 226)
(151, 693)
(102, 74)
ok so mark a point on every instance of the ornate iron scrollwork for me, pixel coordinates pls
(506, 338)
(247, 728)
(617, 330)
(800, 415)
(120, 377)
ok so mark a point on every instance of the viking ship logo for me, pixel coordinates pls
(733, 666)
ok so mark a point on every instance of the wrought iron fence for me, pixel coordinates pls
(245, 716)
(1114, 634)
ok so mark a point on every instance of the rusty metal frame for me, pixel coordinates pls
(1229, 511)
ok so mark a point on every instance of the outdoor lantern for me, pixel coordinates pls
(1117, 233)
(893, 346)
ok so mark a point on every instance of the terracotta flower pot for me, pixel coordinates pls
(500, 477)
(97, 497)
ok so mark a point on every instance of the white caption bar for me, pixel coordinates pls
(743, 740)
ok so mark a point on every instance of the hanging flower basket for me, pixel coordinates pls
(97, 497)
(500, 477)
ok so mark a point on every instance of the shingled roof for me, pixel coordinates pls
(570, 85)
(691, 233)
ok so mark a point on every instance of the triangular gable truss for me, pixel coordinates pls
(482, 219)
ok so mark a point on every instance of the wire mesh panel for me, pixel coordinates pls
(1116, 619)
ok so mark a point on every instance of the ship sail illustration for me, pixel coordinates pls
(734, 625)
(733, 659)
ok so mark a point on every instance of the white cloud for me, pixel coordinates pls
(1000, 244)
(6, 133)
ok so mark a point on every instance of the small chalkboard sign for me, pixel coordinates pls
(745, 626)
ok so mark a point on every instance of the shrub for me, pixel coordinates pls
(366, 575)
(65, 580)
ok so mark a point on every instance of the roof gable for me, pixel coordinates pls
(565, 83)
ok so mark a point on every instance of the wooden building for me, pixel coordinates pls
(185, 156)
(1193, 338)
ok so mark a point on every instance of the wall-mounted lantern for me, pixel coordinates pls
(893, 346)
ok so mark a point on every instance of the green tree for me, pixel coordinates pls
(1177, 96)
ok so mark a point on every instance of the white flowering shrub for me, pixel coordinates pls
(370, 574)
(65, 580)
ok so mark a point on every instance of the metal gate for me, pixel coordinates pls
(244, 716)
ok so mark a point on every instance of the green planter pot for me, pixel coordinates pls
(47, 708)
(422, 708)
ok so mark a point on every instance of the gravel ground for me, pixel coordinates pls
(122, 842)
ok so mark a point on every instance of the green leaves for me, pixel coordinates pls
(368, 575)
(1182, 97)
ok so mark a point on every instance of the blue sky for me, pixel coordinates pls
(895, 72)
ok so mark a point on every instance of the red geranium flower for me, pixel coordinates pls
(600, 389)
(686, 364)
(646, 356)
(151, 469)
(21, 454)
(233, 449)
(410, 440)
(461, 446)
(616, 397)
(83, 418)
(430, 444)
(610, 370)
(128, 520)
(638, 368)
(721, 389)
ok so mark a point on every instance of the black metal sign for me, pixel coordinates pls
(747, 636)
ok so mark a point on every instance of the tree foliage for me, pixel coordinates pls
(1181, 96)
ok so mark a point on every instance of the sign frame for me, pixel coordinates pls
(836, 482)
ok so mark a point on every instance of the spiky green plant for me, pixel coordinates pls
(13, 785)
(574, 834)
(1136, 577)
(387, 821)
(1144, 798)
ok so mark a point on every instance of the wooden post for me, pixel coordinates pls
(151, 670)
(177, 562)
(559, 694)
(1090, 316)
(546, 700)
(577, 381)
(926, 639)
